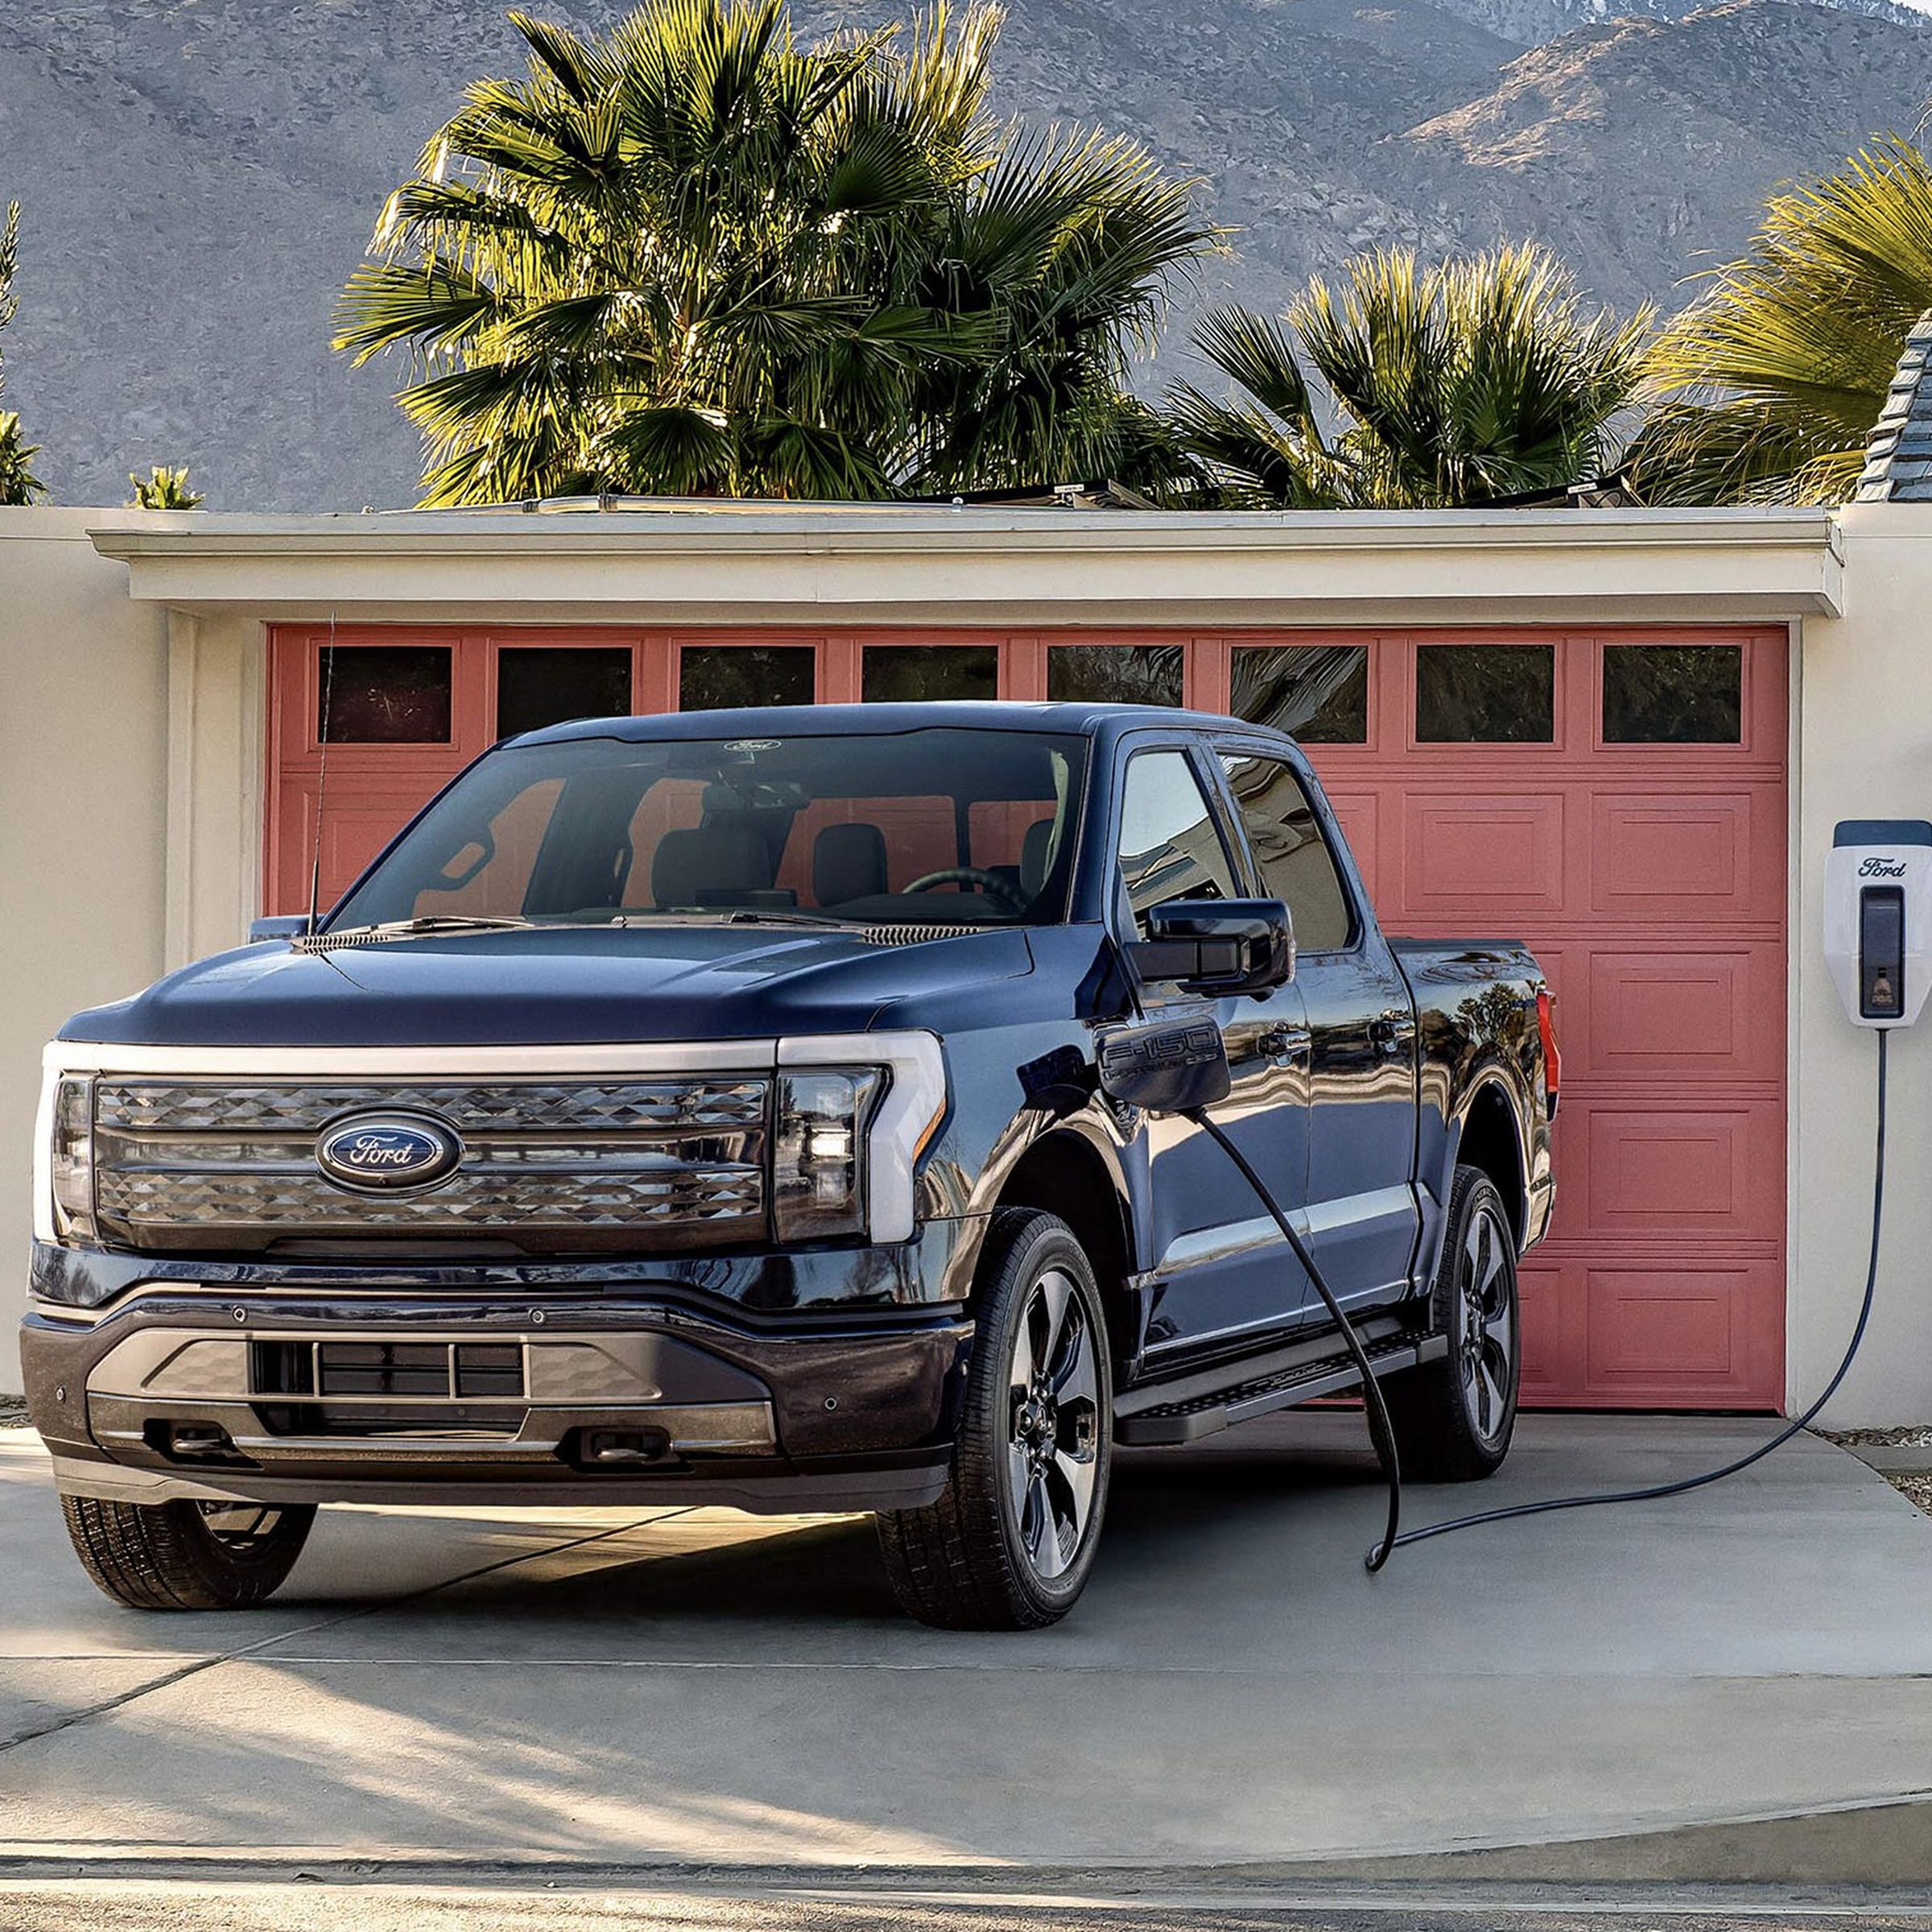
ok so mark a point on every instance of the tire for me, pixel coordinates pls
(1010, 1542)
(186, 1555)
(1453, 1417)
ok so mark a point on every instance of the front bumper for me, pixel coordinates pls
(180, 1390)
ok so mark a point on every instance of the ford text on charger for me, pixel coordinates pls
(710, 1108)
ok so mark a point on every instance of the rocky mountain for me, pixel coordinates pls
(1533, 22)
(198, 177)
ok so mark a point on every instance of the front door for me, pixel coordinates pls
(1362, 1212)
(1226, 1279)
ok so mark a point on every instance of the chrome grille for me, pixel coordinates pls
(548, 1165)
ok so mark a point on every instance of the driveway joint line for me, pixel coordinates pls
(107, 1706)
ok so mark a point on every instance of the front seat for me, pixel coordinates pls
(709, 865)
(848, 863)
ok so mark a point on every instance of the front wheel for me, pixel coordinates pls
(1010, 1542)
(186, 1555)
(1453, 1417)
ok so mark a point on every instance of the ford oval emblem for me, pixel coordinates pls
(384, 1153)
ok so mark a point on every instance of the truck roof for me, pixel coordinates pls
(1076, 719)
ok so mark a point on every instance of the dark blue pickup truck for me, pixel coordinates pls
(712, 1108)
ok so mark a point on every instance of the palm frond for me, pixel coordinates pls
(1768, 386)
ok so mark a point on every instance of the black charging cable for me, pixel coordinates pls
(1685, 1483)
(1381, 1429)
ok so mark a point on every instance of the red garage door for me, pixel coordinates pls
(1618, 798)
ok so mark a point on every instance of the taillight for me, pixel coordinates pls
(1553, 1059)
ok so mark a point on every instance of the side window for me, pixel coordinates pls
(1295, 861)
(1169, 847)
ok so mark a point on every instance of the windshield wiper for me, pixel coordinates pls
(750, 915)
(441, 922)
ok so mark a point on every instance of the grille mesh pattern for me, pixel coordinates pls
(173, 1107)
(637, 1164)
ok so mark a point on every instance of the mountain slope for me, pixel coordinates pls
(1533, 22)
(1640, 147)
(198, 177)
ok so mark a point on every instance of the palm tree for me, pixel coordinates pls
(1768, 387)
(692, 255)
(1470, 382)
(18, 484)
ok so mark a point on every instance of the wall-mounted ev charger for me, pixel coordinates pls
(1878, 919)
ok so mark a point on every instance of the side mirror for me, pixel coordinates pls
(279, 926)
(1217, 946)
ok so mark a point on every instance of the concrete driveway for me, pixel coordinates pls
(619, 1689)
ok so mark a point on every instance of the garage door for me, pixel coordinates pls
(1617, 799)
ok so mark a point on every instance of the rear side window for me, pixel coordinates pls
(1169, 847)
(1293, 857)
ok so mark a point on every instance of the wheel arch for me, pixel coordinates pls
(1489, 1137)
(1063, 1172)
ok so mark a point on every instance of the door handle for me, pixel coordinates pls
(1392, 1031)
(1283, 1044)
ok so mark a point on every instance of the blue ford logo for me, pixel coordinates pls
(382, 1152)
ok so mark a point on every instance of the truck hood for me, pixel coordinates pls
(553, 988)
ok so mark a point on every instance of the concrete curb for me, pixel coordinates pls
(1884, 1847)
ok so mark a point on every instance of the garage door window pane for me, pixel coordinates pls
(719, 676)
(1673, 694)
(902, 673)
(1115, 674)
(1485, 694)
(1317, 692)
(536, 687)
(383, 694)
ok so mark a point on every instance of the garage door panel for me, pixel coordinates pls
(1648, 1170)
(1697, 858)
(1484, 856)
(1669, 1333)
(1713, 1013)
(1359, 809)
(354, 829)
(1549, 1372)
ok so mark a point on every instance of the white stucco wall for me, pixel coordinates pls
(1864, 750)
(82, 817)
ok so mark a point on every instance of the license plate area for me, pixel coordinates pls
(377, 1370)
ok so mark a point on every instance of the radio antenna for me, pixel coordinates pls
(328, 695)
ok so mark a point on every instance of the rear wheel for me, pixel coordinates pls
(185, 1555)
(1453, 1417)
(1010, 1542)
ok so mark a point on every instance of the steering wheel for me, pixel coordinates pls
(1010, 898)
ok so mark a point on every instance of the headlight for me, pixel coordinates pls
(70, 1158)
(889, 1094)
(818, 1157)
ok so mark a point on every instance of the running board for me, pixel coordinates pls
(1186, 1421)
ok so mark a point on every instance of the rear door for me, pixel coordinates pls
(1362, 1214)
(1226, 1278)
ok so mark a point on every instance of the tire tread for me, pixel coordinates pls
(158, 1556)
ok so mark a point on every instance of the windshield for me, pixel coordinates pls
(939, 827)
